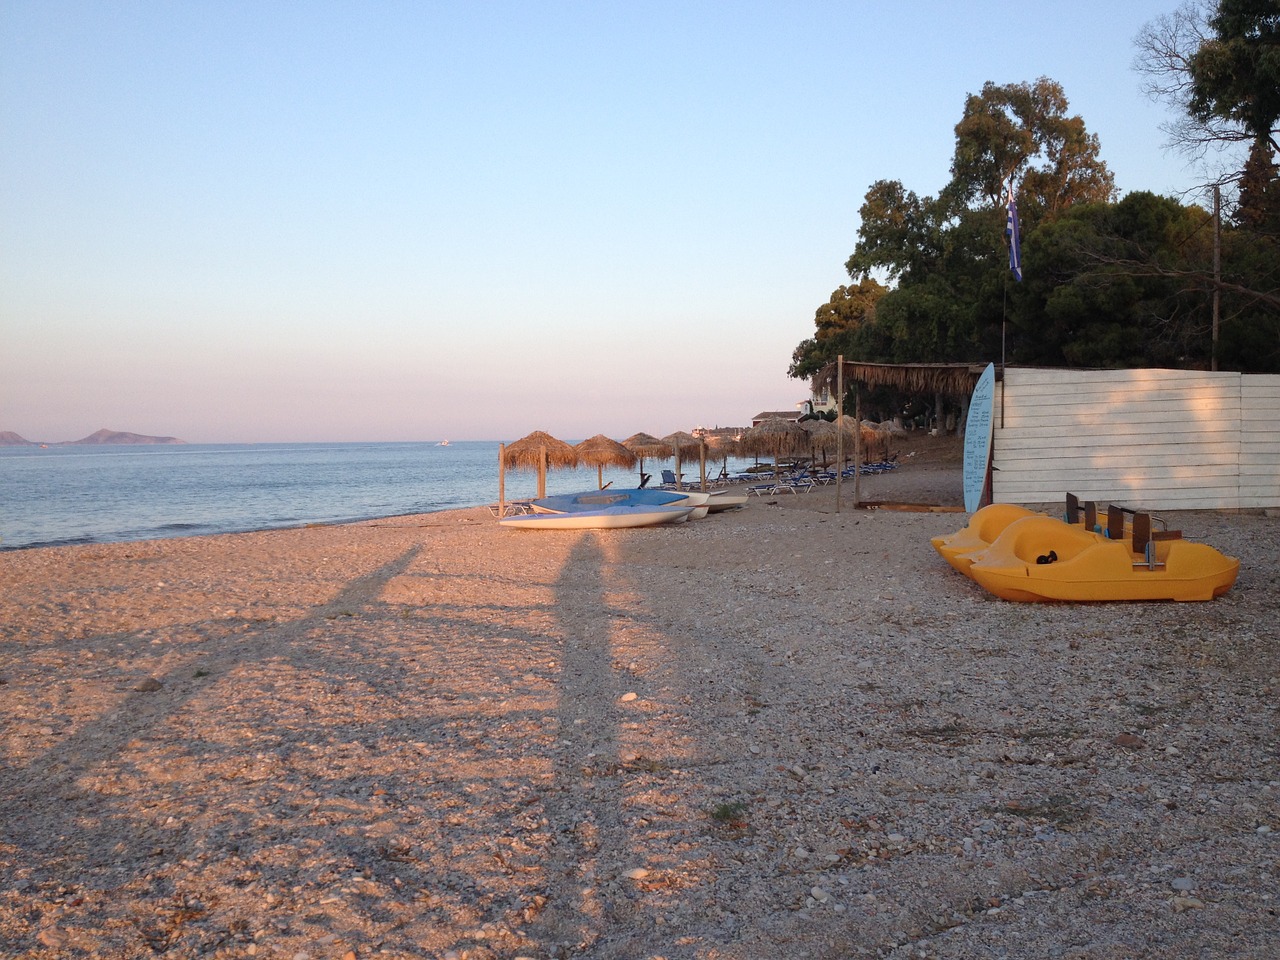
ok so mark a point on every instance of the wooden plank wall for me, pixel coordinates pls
(1260, 441)
(1158, 439)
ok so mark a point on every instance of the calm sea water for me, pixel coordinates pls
(86, 494)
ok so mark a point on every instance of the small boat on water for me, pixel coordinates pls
(600, 518)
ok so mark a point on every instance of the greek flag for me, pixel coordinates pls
(1011, 231)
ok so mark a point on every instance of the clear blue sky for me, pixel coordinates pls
(246, 221)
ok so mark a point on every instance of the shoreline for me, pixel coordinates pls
(779, 731)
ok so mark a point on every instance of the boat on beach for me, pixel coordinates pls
(1035, 557)
(600, 518)
(1043, 558)
(721, 500)
(983, 528)
(624, 497)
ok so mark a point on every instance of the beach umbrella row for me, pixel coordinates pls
(540, 451)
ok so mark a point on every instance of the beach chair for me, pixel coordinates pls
(669, 480)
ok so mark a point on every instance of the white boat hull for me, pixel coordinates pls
(723, 500)
(608, 518)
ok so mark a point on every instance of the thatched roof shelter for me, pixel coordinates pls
(685, 444)
(682, 442)
(647, 447)
(721, 448)
(538, 451)
(952, 379)
(531, 450)
(775, 436)
(601, 451)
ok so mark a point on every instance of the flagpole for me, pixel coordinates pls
(1012, 231)
(1004, 324)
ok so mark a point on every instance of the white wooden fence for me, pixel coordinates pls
(1156, 439)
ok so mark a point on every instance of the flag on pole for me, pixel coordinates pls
(1011, 231)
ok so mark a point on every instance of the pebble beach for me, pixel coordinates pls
(789, 730)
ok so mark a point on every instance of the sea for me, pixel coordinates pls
(78, 494)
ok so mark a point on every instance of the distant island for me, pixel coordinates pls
(10, 439)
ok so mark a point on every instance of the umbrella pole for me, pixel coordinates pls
(502, 480)
(839, 433)
(542, 473)
(599, 476)
(857, 446)
(702, 459)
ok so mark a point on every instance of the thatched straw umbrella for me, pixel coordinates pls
(875, 433)
(600, 451)
(822, 434)
(538, 450)
(775, 436)
(646, 445)
(721, 448)
(682, 443)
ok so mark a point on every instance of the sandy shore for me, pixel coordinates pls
(778, 732)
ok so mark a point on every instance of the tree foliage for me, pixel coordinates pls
(1235, 74)
(946, 253)
(1023, 130)
(1107, 283)
(845, 326)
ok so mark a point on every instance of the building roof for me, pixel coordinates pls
(775, 414)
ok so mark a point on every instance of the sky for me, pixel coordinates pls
(376, 221)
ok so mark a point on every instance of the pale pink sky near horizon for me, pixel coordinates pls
(403, 221)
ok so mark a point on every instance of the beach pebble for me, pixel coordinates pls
(639, 873)
(52, 938)
(819, 894)
(149, 685)
(1182, 883)
(628, 697)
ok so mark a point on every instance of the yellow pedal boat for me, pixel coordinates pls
(984, 526)
(1041, 558)
(989, 522)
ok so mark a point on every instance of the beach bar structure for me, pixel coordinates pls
(1160, 439)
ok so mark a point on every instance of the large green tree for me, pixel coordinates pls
(845, 327)
(1235, 73)
(945, 255)
(1092, 298)
(1130, 284)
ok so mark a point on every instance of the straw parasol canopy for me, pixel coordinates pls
(539, 451)
(774, 436)
(645, 445)
(682, 444)
(600, 452)
(823, 434)
(721, 448)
